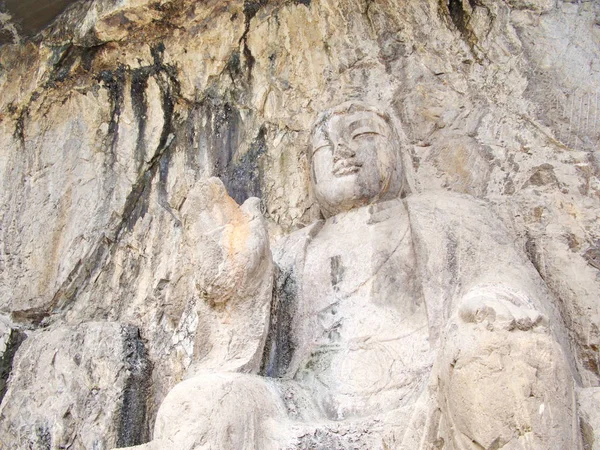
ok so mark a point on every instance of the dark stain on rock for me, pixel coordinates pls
(250, 60)
(303, 2)
(251, 8)
(234, 66)
(589, 355)
(20, 125)
(592, 256)
(543, 175)
(87, 55)
(6, 37)
(242, 177)
(67, 59)
(64, 60)
(460, 18)
(139, 103)
(43, 438)
(114, 82)
(137, 202)
(587, 434)
(573, 242)
(336, 271)
(163, 175)
(191, 139)
(166, 77)
(224, 136)
(458, 15)
(132, 429)
(15, 339)
(212, 135)
(12, 108)
(79, 276)
(534, 255)
(139, 84)
(279, 348)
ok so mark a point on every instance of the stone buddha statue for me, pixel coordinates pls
(399, 321)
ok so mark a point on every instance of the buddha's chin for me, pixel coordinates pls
(332, 205)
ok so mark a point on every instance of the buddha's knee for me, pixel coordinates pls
(506, 387)
(218, 411)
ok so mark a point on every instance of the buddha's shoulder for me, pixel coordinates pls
(287, 249)
(451, 210)
(444, 200)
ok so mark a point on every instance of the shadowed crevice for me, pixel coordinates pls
(15, 340)
(279, 347)
(132, 426)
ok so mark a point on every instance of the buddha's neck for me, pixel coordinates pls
(366, 212)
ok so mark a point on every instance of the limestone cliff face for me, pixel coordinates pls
(115, 115)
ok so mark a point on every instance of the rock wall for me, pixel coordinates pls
(115, 116)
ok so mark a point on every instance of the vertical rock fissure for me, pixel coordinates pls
(132, 428)
(458, 15)
(14, 341)
(251, 8)
(279, 348)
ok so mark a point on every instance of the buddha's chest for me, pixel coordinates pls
(365, 324)
(359, 262)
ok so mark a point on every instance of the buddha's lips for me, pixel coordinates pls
(346, 167)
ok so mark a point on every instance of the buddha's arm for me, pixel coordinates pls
(502, 350)
(468, 264)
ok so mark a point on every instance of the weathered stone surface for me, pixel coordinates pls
(589, 405)
(82, 386)
(205, 302)
(114, 116)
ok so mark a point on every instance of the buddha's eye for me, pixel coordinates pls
(322, 146)
(363, 134)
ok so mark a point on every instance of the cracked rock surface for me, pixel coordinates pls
(82, 386)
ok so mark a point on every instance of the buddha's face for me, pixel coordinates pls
(354, 162)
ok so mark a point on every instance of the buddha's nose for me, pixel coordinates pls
(342, 151)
